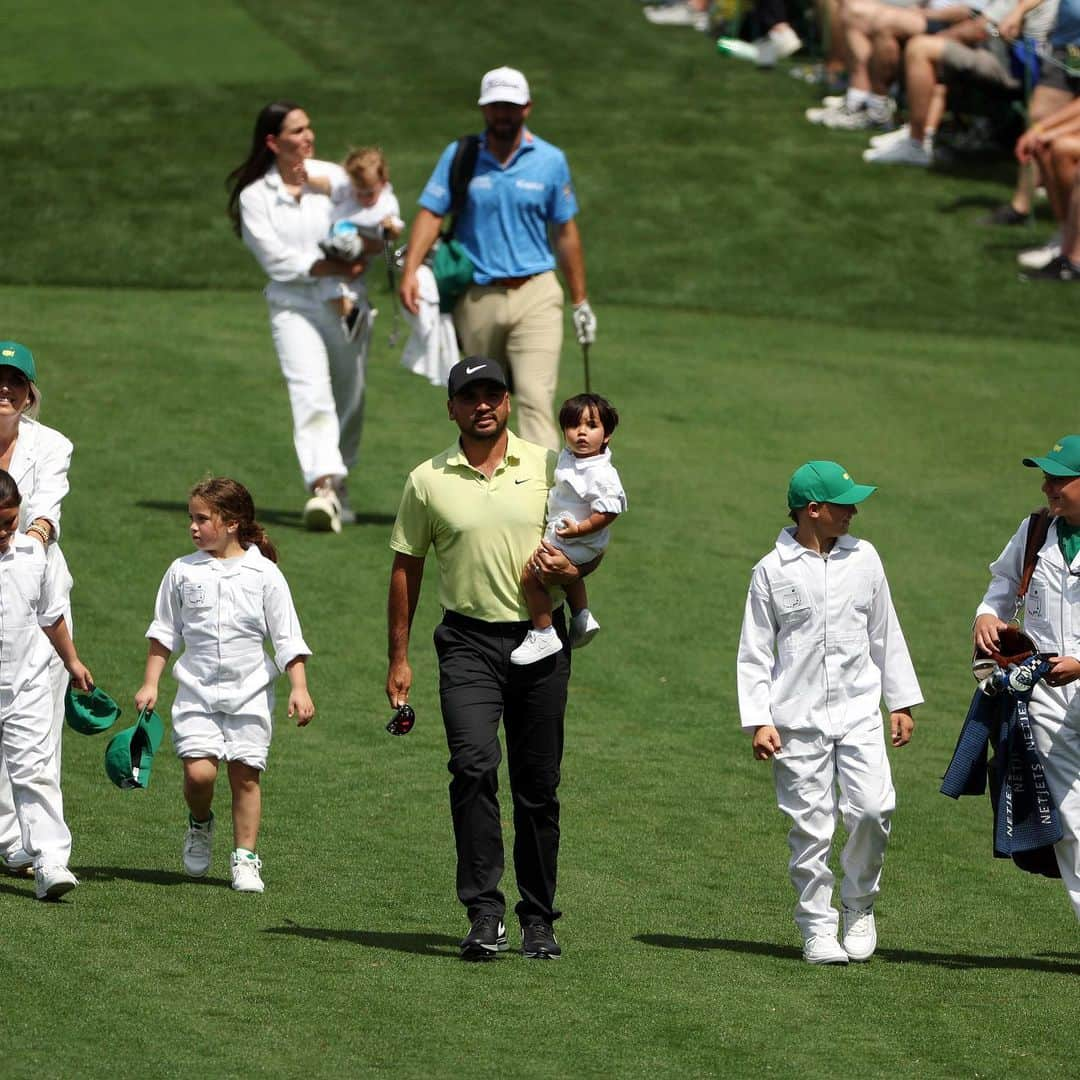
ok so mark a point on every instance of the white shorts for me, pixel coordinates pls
(578, 549)
(244, 737)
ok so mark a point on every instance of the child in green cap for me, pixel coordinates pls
(820, 647)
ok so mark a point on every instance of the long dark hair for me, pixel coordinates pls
(9, 491)
(233, 502)
(260, 157)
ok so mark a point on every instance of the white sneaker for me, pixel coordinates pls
(860, 933)
(900, 152)
(583, 628)
(198, 848)
(739, 49)
(1038, 257)
(322, 512)
(537, 645)
(823, 949)
(18, 861)
(886, 137)
(681, 14)
(816, 114)
(833, 101)
(52, 882)
(779, 44)
(861, 119)
(245, 873)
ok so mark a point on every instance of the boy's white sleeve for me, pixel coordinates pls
(168, 624)
(607, 495)
(757, 642)
(1005, 571)
(56, 588)
(889, 652)
(282, 622)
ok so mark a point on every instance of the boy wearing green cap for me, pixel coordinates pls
(820, 647)
(1052, 620)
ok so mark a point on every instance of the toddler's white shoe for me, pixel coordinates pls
(538, 645)
(245, 872)
(198, 847)
(860, 933)
(583, 628)
(823, 949)
(322, 512)
(52, 882)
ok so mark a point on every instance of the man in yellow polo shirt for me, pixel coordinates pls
(482, 504)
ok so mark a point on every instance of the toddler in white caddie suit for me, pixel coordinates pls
(820, 647)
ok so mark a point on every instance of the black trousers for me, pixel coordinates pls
(477, 686)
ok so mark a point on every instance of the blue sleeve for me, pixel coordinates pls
(563, 205)
(436, 194)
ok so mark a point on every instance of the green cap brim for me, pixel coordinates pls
(130, 753)
(1050, 466)
(854, 494)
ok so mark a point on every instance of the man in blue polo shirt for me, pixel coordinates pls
(519, 191)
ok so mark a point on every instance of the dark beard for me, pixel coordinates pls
(505, 131)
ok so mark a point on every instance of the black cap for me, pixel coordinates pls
(474, 369)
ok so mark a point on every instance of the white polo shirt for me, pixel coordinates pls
(223, 610)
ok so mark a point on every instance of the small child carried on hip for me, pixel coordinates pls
(366, 215)
(585, 500)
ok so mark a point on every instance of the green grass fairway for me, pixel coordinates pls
(763, 299)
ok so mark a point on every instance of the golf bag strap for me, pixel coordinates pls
(462, 167)
(1038, 528)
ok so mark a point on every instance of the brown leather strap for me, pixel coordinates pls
(1038, 528)
(512, 282)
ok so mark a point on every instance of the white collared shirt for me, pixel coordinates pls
(283, 233)
(33, 594)
(821, 644)
(39, 465)
(586, 486)
(223, 611)
(1051, 607)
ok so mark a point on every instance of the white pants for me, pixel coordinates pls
(324, 375)
(808, 771)
(11, 837)
(32, 766)
(1058, 744)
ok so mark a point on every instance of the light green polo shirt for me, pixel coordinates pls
(483, 531)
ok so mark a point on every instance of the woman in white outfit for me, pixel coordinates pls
(282, 218)
(37, 458)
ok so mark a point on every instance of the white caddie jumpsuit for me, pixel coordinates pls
(324, 373)
(1052, 620)
(33, 594)
(222, 610)
(820, 647)
(39, 465)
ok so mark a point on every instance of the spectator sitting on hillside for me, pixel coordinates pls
(1055, 144)
(1058, 88)
(874, 34)
(966, 52)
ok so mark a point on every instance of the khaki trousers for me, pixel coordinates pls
(522, 329)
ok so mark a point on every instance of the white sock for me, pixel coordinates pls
(243, 853)
(547, 632)
(856, 99)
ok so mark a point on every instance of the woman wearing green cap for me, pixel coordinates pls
(37, 457)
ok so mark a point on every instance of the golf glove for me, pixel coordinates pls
(584, 323)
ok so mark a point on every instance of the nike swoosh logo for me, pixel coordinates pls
(479, 367)
(525, 481)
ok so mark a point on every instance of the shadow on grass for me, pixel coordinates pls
(962, 961)
(288, 519)
(146, 877)
(421, 944)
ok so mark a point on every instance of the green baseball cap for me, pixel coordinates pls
(92, 713)
(19, 357)
(825, 481)
(130, 752)
(1062, 460)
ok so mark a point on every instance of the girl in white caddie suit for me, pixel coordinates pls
(820, 647)
(282, 218)
(221, 603)
(37, 457)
